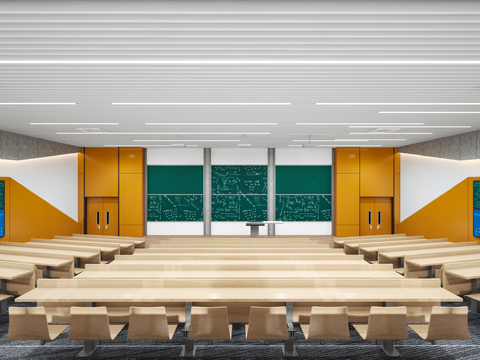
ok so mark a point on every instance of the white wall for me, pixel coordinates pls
(239, 156)
(423, 179)
(53, 178)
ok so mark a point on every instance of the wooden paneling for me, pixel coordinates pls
(347, 230)
(81, 202)
(32, 217)
(347, 199)
(101, 172)
(347, 160)
(376, 172)
(94, 210)
(396, 201)
(450, 210)
(132, 230)
(131, 199)
(131, 160)
(383, 206)
(110, 216)
(367, 216)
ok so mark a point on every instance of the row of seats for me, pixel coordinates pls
(265, 323)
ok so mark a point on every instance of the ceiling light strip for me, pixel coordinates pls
(202, 103)
(368, 123)
(76, 124)
(210, 124)
(164, 133)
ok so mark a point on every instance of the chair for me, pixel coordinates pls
(267, 323)
(149, 323)
(31, 324)
(385, 323)
(91, 323)
(327, 323)
(209, 323)
(446, 323)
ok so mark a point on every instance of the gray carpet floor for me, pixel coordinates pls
(239, 348)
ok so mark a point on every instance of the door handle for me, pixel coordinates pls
(379, 219)
(107, 216)
(98, 219)
(370, 219)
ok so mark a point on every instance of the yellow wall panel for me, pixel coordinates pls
(347, 230)
(81, 161)
(131, 199)
(347, 200)
(81, 202)
(445, 217)
(33, 217)
(131, 160)
(347, 160)
(396, 200)
(132, 230)
(376, 172)
(101, 172)
(397, 161)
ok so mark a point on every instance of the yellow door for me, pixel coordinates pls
(375, 216)
(102, 216)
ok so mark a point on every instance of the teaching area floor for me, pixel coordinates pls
(239, 348)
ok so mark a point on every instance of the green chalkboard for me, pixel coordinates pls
(174, 208)
(2, 194)
(239, 207)
(303, 179)
(175, 180)
(303, 207)
(476, 194)
(246, 179)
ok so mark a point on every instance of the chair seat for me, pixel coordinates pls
(420, 329)
(115, 330)
(55, 330)
(361, 329)
(212, 336)
(265, 336)
(330, 336)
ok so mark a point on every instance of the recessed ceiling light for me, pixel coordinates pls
(416, 127)
(202, 103)
(389, 133)
(429, 112)
(368, 123)
(37, 103)
(210, 124)
(409, 104)
(75, 124)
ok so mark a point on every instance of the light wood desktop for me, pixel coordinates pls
(53, 265)
(351, 246)
(108, 251)
(241, 256)
(370, 251)
(426, 265)
(127, 247)
(272, 249)
(139, 242)
(339, 242)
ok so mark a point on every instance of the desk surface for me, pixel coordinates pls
(36, 260)
(430, 244)
(8, 273)
(299, 274)
(440, 260)
(285, 263)
(224, 294)
(44, 251)
(448, 249)
(66, 246)
(466, 273)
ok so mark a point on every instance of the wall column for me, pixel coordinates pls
(271, 190)
(207, 191)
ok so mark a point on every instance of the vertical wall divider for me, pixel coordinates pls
(207, 191)
(271, 190)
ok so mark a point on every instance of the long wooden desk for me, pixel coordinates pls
(463, 278)
(239, 256)
(238, 250)
(20, 277)
(398, 256)
(339, 242)
(127, 247)
(235, 245)
(370, 251)
(351, 246)
(107, 251)
(139, 242)
(62, 265)
(91, 256)
(417, 266)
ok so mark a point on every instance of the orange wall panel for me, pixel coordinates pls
(81, 201)
(376, 172)
(347, 230)
(131, 160)
(81, 161)
(347, 200)
(347, 160)
(101, 172)
(396, 200)
(397, 161)
(445, 217)
(132, 230)
(131, 199)
(33, 217)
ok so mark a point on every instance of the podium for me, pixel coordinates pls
(254, 226)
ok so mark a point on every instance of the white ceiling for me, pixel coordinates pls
(351, 58)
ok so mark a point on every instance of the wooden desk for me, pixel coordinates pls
(397, 256)
(127, 247)
(92, 256)
(233, 250)
(236, 245)
(463, 278)
(20, 278)
(339, 242)
(351, 246)
(286, 264)
(63, 265)
(370, 251)
(139, 242)
(240, 256)
(415, 265)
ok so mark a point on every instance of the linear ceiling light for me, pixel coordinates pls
(338, 145)
(203, 103)
(211, 124)
(160, 133)
(389, 133)
(332, 140)
(37, 103)
(146, 145)
(429, 112)
(188, 140)
(416, 127)
(76, 124)
(369, 123)
(381, 104)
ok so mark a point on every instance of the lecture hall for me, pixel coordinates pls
(239, 179)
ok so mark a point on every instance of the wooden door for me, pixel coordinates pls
(102, 216)
(375, 216)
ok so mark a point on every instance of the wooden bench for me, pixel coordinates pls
(351, 246)
(370, 251)
(107, 250)
(127, 247)
(339, 241)
(139, 241)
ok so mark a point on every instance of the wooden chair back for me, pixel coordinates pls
(209, 323)
(328, 323)
(30, 323)
(267, 323)
(448, 323)
(89, 323)
(387, 323)
(149, 323)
